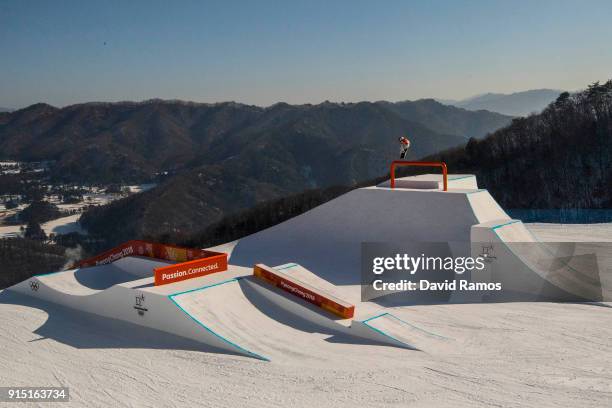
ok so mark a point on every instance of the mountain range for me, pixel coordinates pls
(322, 144)
(514, 104)
(535, 162)
(224, 157)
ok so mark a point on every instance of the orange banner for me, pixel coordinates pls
(193, 262)
(304, 291)
(191, 269)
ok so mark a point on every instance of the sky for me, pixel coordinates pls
(262, 52)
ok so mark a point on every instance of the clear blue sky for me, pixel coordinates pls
(261, 52)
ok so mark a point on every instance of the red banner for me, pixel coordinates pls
(193, 262)
(191, 269)
(304, 291)
(149, 249)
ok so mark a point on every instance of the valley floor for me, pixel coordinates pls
(504, 355)
(63, 225)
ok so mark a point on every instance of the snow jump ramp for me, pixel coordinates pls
(230, 311)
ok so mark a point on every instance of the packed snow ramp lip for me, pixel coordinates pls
(228, 310)
(398, 332)
(199, 309)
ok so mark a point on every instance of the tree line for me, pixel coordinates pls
(558, 159)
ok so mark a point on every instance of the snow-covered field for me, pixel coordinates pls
(505, 355)
(63, 225)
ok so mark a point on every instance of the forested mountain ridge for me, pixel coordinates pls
(560, 158)
(330, 145)
(114, 142)
(450, 119)
(131, 141)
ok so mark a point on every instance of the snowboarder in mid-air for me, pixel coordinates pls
(404, 146)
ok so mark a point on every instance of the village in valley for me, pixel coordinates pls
(36, 207)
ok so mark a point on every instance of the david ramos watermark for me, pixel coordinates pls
(468, 272)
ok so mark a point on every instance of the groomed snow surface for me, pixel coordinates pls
(513, 354)
(270, 353)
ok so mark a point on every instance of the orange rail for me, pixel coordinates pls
(304, 291)
(398, 163)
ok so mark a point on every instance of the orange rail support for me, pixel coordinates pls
(397, 163)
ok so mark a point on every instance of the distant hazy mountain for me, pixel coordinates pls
(451, 102)
(131, 141)
(448, 119)
(5, 109)
(515, 104)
